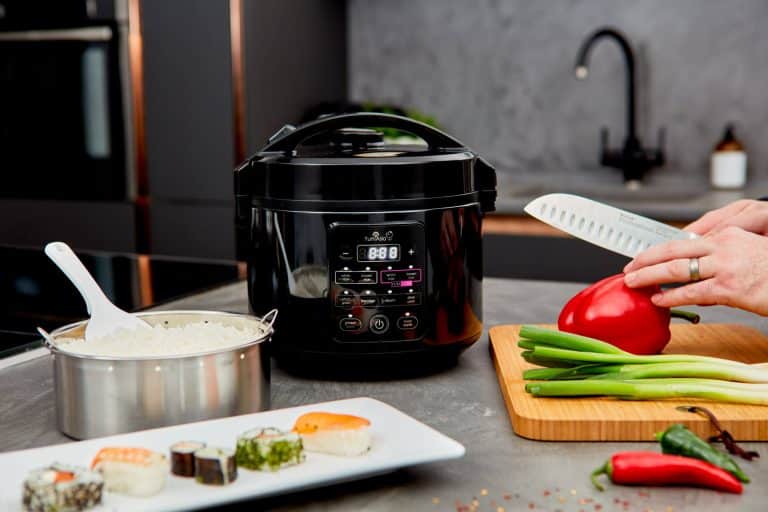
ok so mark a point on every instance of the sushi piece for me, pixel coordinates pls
(337, 434)
(268, 449)
(215, 466)
(131, 471)
(62, 488)
(183, 457)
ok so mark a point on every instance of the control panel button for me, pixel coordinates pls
(407, 323)
(350, 324)
(412, 275)
(366, 277)
(412, 299)
(355, 277)
(345, 301)
(389, 300)
(378, 324)
(346, 253)
(401, 299)
(344, 277)
(368, 299)
(397, 276)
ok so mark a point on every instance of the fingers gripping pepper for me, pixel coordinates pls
(654, 469)
(678, 440)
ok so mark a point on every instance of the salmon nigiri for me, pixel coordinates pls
(337, 434)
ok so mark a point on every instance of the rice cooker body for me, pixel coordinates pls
(392, 274)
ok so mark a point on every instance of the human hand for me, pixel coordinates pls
(747, 214)
(733, 265)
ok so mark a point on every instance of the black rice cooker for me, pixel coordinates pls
(371, 252)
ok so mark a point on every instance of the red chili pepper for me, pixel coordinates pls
(610, 311)
(654, 469)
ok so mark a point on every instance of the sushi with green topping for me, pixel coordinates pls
(268, 449)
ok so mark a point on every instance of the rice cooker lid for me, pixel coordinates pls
(343, 159)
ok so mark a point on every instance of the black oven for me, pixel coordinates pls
(64, 101)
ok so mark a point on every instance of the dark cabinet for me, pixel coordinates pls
(209, 96)
(547, 257)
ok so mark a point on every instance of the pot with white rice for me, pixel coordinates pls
(191, 366)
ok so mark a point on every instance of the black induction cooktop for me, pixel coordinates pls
(34, 293)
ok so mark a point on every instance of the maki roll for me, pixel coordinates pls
(336, 434)
(215, 466)
(183, 457)
(131, 471)
(269, 448)
(62, 488)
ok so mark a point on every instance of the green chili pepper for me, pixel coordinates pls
(678, 440)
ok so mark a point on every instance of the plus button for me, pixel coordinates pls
(411, 252)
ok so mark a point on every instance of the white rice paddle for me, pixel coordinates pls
(106, 318)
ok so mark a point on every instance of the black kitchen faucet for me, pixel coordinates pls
(632, 159)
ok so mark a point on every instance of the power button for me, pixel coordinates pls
(378, 324)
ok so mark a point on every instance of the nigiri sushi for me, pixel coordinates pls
(336, 434)
(131, 471)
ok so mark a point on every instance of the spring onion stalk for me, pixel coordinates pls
(547, 352)
(566, 340)
(575, 372)
(551, 363)
(651, 389)
(726, 372)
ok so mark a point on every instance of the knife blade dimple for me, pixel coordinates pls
(603, 225)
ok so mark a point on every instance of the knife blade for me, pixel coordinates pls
(603, 225)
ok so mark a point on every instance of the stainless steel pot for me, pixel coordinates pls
(100, 396)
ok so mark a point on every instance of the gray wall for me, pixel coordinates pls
(498, 75)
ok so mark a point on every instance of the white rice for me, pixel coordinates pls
(160, 340)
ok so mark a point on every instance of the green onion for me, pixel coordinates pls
(580, 366)
(719, 371)
(650, 389)
(567, 340)
(625, 358)
(573, 372)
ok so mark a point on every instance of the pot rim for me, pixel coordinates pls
(267, 320)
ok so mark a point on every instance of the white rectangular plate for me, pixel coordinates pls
(398, 440)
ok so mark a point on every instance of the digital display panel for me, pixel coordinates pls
(389, 252)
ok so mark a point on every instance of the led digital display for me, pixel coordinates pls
(378, 252)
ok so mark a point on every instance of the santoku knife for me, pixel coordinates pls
(603, 225)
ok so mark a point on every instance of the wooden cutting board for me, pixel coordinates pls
(610, 419)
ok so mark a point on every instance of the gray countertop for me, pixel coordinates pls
(500, 471)
(664, 197)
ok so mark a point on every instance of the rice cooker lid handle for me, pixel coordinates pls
(289, 138)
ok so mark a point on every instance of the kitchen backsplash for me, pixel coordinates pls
(499, 75)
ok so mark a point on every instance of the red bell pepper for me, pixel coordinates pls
(653, 469)
(612, 312)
